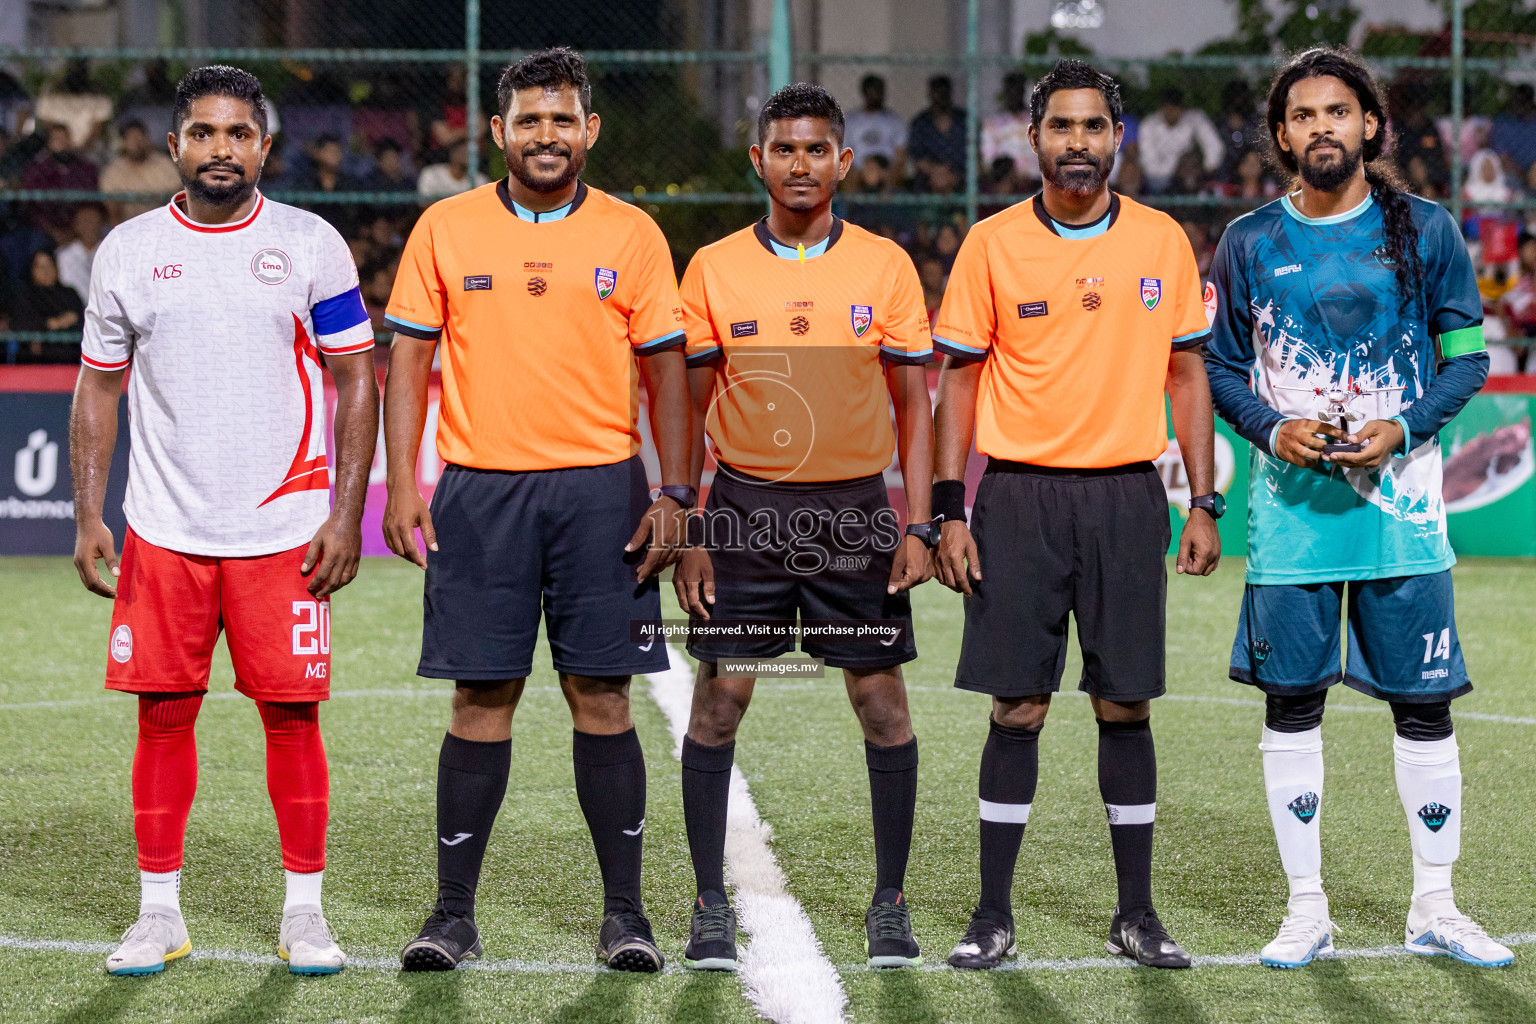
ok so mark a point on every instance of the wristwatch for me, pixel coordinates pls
(683, 494)
(1213, 503)
(929, 533)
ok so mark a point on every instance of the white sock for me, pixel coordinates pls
(1307, 896)
(160, 889)
(303, 889)
(1293, 782)
(1429, 784)
(1431, 881)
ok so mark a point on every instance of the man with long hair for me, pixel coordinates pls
(1347, 332)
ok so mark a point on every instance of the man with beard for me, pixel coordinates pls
(1065, 320)
(546, 296)
(224, 303)
(1348, 286)
(799, 521)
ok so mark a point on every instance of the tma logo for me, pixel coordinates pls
(37, 465)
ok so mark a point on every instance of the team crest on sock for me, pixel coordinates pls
(1305, 808)
(1434, 816)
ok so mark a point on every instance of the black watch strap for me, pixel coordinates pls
(1214, 504)
(929, 533)
(683, 494)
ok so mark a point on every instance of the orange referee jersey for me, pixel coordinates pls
(1076, 332)
(800, 345)
(540, 316)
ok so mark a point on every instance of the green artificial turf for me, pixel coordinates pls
(67, 867)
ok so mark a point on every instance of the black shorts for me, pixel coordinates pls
(808, 550)
(511, 544)
(1052, 541)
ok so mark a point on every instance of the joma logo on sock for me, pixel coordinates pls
(1434, 816)
(456, 840)
(1304, 807)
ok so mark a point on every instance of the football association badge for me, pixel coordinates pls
(1304, 807)
(1434, 816)
(1151, 291)
(863, 316)
(605, 279)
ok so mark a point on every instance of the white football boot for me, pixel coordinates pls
(1437, 928)
(1302, 936)
(157, 936)
(307, 942)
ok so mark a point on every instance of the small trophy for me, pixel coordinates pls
(1336, 401)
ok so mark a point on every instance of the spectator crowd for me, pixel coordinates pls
(410, 140)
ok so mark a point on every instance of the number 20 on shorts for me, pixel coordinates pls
(312, 633)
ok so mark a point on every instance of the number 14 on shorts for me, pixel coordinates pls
(1434, 649)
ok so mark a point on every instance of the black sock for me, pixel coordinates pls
(610, 784)
(706, 798)
(1010, 769)
(893, 801)
(471, 782)
(1128, 784)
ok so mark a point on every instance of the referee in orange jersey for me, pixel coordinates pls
(1065, 320)
(550, 300)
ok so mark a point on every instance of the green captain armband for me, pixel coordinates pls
(1459, 343)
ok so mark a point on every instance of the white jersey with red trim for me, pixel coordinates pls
(223, 327)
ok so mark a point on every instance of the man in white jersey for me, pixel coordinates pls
(223, 303)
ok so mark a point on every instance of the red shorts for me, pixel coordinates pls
(170, 608)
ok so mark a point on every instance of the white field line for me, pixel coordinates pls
(784, 971)
(377, 963)
(767, 684)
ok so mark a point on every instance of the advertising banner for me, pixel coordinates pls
(37, 508)
(1490, 499)
(1490, 492)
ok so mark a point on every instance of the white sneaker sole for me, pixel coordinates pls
(140, 970)
(1454, 955)
(1324, 945)
(309, 970)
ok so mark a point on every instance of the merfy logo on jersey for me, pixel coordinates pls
(605, 279)
(863, 316)
(1151, 291)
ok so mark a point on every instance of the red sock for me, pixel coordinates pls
(164, 778)
(298, 782)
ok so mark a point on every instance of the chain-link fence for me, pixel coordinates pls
(373, 103)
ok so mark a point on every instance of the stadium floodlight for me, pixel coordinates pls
(1077, 14)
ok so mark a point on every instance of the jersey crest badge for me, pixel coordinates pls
(605, 279)
(1151, 291)
(271, 266)
(863, 316)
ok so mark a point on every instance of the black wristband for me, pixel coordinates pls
(949, 500)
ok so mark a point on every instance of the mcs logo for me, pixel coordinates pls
(167, 272)
(315, 670)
